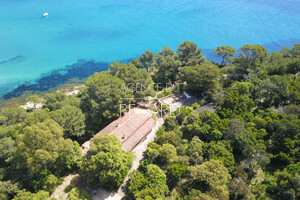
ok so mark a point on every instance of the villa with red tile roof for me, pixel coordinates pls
(131, 129)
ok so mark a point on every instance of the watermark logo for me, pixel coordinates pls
(153, 105)
(154, 87)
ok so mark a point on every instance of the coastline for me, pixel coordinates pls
(76, 73)
(70, 74)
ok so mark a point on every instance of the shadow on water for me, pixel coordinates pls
(16, 58)
(279, 44)
(79, 70)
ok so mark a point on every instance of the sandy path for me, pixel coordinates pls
(59, 192)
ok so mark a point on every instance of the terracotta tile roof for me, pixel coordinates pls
(130, 129)
(138, 135)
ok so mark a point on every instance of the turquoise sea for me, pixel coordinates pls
(109, 30)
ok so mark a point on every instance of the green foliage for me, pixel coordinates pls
(3, 119)
(193, 117)
(167, 64)
(189, 54)
(40, 147)
(236, 128)
(208, 177)
(293, 168)
(291, 53)
(79, 194)
(207, 126)
(294, 66)
(137, 81)
(250, 152)
(212, 128)
(102, 98)
(294, 91)
(54, 100)
(201, 79)
(137, 183)
(164, 93)
(172, 137)
(7, 145)
(10, 131)
(170, 123)
(281, 63)
(285, 142)
(250, 59)
(191, 130)
(106, 164)
(212, 173)
(272, 91)
(151, 185)
(234, 105)
(168, 153)
(71, 119)
(33, 99)
(146, 61)
(217, 95)
(214, 135)
(225, 52)
(244, 88)
(13, 115)
(254, 133)
(25, 195)
(218, 151)
(151, 155)
(8, 190)
(196, 105)
(174, 174)
(285, 186)
(36, 116)
(46, 181)
(181, 113)
(195, 151)
(197, 194)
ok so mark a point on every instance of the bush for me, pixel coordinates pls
(79, 194)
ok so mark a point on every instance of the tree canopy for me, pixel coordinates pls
(106, 164)
(225, 52)
(201, 79)
(103, 96)
(71, 119)
(42, 146)
(189, 54)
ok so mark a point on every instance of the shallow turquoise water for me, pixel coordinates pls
(122, 29)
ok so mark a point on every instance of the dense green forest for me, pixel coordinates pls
(247, 149)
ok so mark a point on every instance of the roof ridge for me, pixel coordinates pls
(129, 117)
(149, 117)
(117, 120)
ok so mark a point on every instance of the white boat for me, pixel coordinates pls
(45, 14)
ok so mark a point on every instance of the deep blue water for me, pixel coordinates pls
(121, 29)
